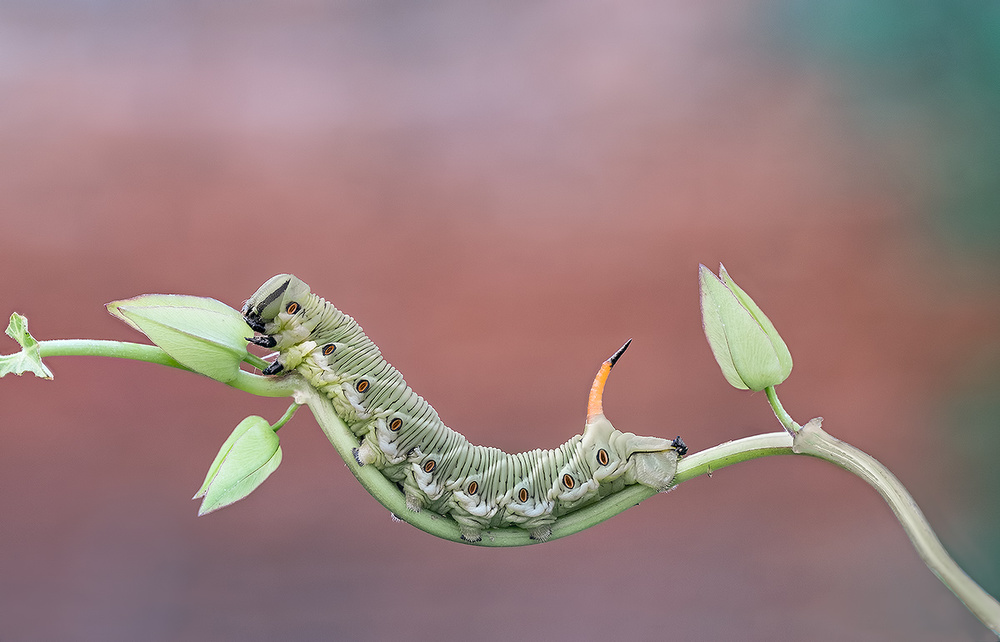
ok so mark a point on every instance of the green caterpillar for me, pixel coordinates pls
(437, 468)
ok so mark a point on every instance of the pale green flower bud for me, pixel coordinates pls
(747, 347)
(203, 334)
(247, 458)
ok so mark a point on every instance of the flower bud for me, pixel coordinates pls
(203, 334)
(747, 347)
(247, 458)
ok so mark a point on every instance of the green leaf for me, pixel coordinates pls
(28, 359)
(246, 459)
(203, 334)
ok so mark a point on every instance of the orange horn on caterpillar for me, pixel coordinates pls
(595, 406)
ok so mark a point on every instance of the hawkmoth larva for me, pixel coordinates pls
(437, 468)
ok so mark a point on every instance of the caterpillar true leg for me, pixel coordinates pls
(438, 469)
(264, 341)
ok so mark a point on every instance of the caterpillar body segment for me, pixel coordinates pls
(480, 487)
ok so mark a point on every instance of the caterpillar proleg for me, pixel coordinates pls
(437, 468)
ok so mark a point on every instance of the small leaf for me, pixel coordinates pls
(28, 359)
(246, 459)
(203, 334)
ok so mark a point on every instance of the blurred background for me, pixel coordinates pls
(501, 194)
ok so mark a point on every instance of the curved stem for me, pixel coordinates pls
(807, 440)
(779, 411)
(261, 386)
(276, 426)
(812, 440)
(390, 496)
(245, 381)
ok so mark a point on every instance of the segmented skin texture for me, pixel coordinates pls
(437, 468)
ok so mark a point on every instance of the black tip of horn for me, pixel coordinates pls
(620, 352)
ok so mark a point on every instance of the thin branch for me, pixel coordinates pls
(813, 440)
(390, 496)
(808, 440)
(245, 381)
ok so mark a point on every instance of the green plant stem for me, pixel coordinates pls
(779, 411)
(245, 381)
(806, 440)
(814, 441)
(285, 417)
(389, 496)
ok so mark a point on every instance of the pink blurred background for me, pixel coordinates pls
(501, 194)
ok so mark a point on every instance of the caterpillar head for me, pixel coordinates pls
(273, 298)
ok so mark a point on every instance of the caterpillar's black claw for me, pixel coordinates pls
(255, 324)
(265, 341)
(274, 368)
(354, 451)
(679, 446)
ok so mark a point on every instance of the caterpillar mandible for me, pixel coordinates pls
(480, 487)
